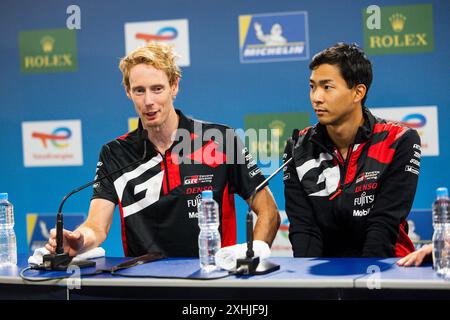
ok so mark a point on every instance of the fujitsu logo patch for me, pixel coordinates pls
(193, 203)
(364, 199)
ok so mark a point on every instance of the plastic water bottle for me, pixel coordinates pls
(209, 241)
(441, 234)
(8, 244)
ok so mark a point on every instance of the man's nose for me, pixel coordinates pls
(148, 98)
(316, 96)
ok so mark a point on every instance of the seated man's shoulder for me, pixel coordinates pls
(397, 128)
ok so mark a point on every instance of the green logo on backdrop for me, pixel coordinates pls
(48, 51)
(282, 125)
(404, 29)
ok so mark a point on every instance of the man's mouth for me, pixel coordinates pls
(151, 114)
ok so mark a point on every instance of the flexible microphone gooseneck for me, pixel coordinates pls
(60, 260)
(251, 265)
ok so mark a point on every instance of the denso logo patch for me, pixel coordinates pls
(195, 190)
(365, 187)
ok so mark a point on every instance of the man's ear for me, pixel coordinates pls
(174, 88)
(360, 92)
(127, 91)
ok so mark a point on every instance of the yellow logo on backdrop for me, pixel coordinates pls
(397, 22)
(48, 51)
(278, 126)
(132, 124)
(403, 29)
(47, 44)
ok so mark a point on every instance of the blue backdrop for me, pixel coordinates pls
(215, 87)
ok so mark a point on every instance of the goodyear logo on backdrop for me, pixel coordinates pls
(48, 51)
(274, 126)
(273, 37)
(404, 29)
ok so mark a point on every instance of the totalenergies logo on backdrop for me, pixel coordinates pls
(163, 34)
(52, 143)
(414, 120)
(57, 137)
(172, 32)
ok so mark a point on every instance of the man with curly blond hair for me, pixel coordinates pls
(158, 196)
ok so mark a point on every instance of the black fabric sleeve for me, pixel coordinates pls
(304, 233)
(394, 198)
(105, 188)
(243, 172)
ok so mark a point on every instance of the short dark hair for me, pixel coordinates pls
(352, 62)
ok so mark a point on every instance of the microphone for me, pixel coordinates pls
(61, 260)
(251, 265)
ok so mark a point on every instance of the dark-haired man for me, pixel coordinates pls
(353, 176)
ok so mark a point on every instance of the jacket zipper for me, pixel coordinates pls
(347, 160)
(167, 172)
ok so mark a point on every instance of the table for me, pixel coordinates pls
(298, 278)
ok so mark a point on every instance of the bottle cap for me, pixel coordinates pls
(442, 192)
(207, 194)
(3, 196)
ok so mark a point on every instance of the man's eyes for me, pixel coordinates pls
(140, 91)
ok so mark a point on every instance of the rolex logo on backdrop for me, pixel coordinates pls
(44, 51)
(404, 29)
(397, 21)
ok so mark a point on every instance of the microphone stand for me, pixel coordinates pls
(251, 265)
(61, 260)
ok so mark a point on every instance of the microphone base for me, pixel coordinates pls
(253, 266)
(62, 261)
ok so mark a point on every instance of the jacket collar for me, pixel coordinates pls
(320, 134)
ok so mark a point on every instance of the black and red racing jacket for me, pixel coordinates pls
(355, 207)
(158, 197)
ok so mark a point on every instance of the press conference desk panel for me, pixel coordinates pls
(298, 278)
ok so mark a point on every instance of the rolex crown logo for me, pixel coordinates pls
(278, 127)
(397, 22)
(47, 43)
